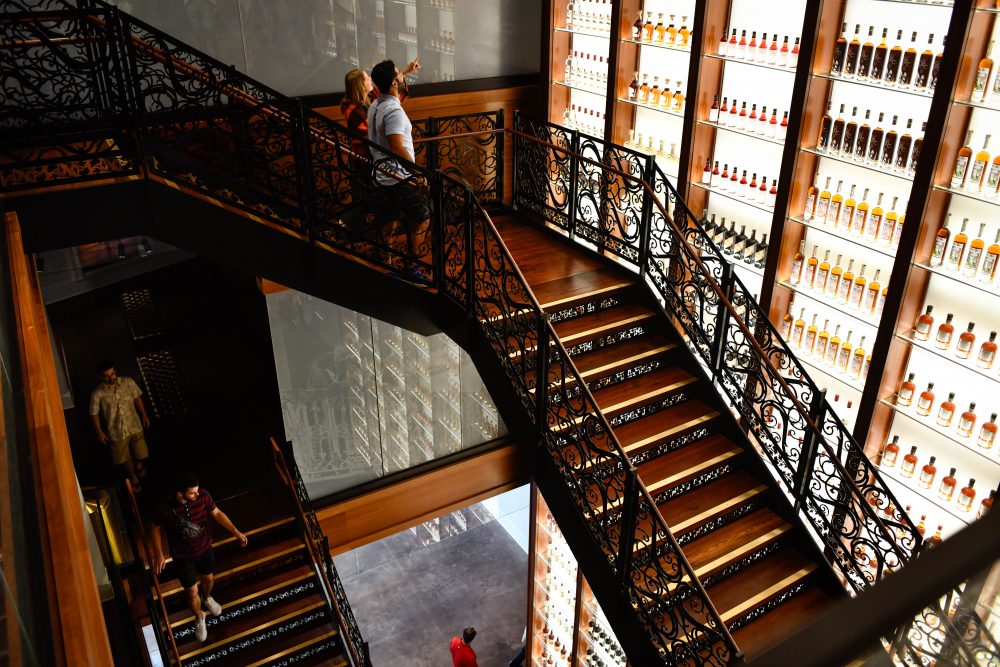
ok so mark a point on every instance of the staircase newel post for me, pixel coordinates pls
(626, 537)
(517, 157)
(810, 446)
(542, 375)
(646, 218)
(722, 321)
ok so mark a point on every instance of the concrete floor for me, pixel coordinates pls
(411, 599)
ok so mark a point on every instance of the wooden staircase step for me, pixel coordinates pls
(627, 354)
(253, 509)
(762, 633)
(246, 559)
(539, 255)
(645, 389)
(695, 508)
(252, 589)
(757, 584)
(582, 288)
(602, 323)
(301, 646)
(661, 426)
(250, 625)
(276, 530)
(712, 553)
(680, 465)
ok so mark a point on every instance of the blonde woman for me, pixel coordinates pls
(359, 92)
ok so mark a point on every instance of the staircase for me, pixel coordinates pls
(759, 569)
(273, 607)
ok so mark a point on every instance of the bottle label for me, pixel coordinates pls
(833, 212)
(905, 395)
(908, 467)
(796, 270)
(944, 337)
(964, 345)
(982, 76)
(923, 329)
(972, 259)
(858, 225)
(965, 425)
(961, 164)
(993, 178)
(856, 362)
(843, 358)
(821, 278)
(856, 295)
(821, 207)
(986, 436)
(938, 253)
(955, 255)
(944, 415)
(844, 291)
(810, 340)
(886, 232)
(947, 489)
(986, 357)
(927, 478)
(874, 225)
(869, 302)
(810, 202)
(889, 458)
(976, 175)
(713, 115)
(809, 278)
(965, 501)
(924, 404)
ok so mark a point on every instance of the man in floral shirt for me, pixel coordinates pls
(118, 400)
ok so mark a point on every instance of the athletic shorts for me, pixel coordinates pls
(188, 569)
(132, 447)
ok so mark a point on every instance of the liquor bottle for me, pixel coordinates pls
(684, 34)
(793, 55)
(961, 170)
(925, 402)
(974, 183)
(729, 239)
(731, 50)
(903, 148)
(678, 99)
(761, 55)
(890, 453)
(888, 227)
(784, 53)
(987, 351)
(879, 58)
(713, 111)
(865, 55)
(921, 527)
(942, 339)
(957, 251)
(633, 88)
(797, 262)
(825, 125)
(798, 329)
(822, 341)
(850, 134)
(833, 348)
(823, 202)
(740, 243)
(941, 242)
(761, 127)
(786, 324)
(839, 51)
(975, 253)
(936, 67)
(966, 341)
(751, 248)
(660, 31)
(979, 87)
(889, 144)
(809, 344)
(893, 61)
(644, 90)
(875, 221)
(783, 127)
(858, 288)
(936, 538)
(880, 306)
(846, 283)
(928, 473)
(822, 273)
(809, 270)
(844, 356)
(741, 120)
(967, 421)
(967, 496)
(858, 360)
(837, 133)
(988, 433)
(864, 133)
(922, 77)
(948, 484)
(922, 329)
(716, 176)
(835, 205)
(637, 27)
(871, 295)
(833, 282)
(761, 254)
(647, 28)
(908, 63)
(851, 58)
(918, 146)
(875, 143)
(909, 465)
(860, 217)
(946, 411)
(992, 185)
(654, 93)
(706, 173)
(904, 396)
(741, 47)
(811, 195)
(985, 506)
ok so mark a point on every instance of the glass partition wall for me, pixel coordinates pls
(362, 399)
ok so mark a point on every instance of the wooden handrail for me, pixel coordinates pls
(319, 561)
(79, 634)
(150, 564)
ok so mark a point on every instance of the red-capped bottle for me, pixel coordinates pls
(928, 473)
(967, 496)
(713, 111)
(942, 339)
(906, 391)
(909, 465)
(985, 506)
(988, 433)
(946, 411)
(890, 453)
(924, 324)
(947, 489)
(925, 402)
(967, 421)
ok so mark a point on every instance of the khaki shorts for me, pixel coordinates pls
(132, 447)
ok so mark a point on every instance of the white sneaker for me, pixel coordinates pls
(213, 607)
(200, 630)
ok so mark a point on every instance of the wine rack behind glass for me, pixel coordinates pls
(556, 583)
(362, 395)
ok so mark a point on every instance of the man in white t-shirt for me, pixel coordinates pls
(390, 129)
(119, 401)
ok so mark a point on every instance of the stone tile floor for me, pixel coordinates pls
(410, 599)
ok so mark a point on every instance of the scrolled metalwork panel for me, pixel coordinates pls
(543, 175)
(473, 160)
(664, 593)
(456, 210)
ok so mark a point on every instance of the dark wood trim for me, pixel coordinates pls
(439, 88)
(705, 22)
(614, 80)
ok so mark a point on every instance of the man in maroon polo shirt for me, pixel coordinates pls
(184, 519)
(462, 654)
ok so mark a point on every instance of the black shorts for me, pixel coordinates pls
(188, 569)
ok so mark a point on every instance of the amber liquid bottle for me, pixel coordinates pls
(889, 144)
(879, 58)
(837, 133)
(983, 72)
(976, 249)
(922, 329)
(985, 506)
(928, 473)
(832, 348)
(809, 277)
(988, 433)
(846, 283)
(974, 182)
(922, 76)
(861, 143)
(850, 134)
(823, 202)
(875, 220)
(957, 251)
(906, 391)
(847, 212)
(948, 483)
(942, 340)
(967, 421)
(936, 67)
(839, 51)
(966, 341)
(833, 282)
(904, 147)
(967, 496)
(870, 300)
(835, 206)
(988, 271)
(940, 243)
(860, 218)
(825, 126)
(853, 50)
(893, 61)
(987, 351)
(925, 402)
(799, 329)
(946, 411)
(844, 357)
(962, 160)
(858, 288)
(908, 63)
(797, 261)
(865, 56)
(875, 143)
(890, 453)
(909, 465)
(889, 223)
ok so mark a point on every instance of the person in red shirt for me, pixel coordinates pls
(462, 654)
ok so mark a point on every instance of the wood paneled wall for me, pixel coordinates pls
(79, 633)
(371, 516)
(524, 98)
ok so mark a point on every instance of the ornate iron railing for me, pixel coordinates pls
(318, 546)
(94, 95)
